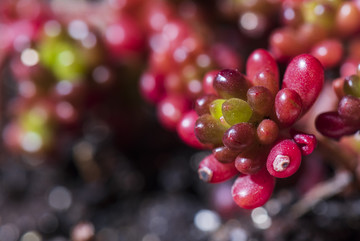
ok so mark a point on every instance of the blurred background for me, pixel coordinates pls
(91, 94)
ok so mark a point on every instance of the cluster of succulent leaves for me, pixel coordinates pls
(247, 119)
